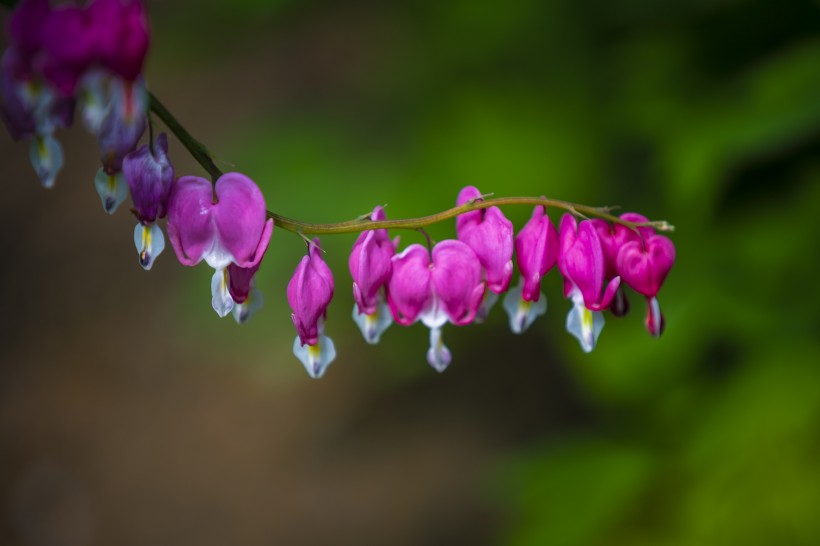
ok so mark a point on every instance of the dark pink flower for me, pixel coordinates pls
(582, 263)
(370, 266)
(490, 234)
(644, 265)
(448, 288)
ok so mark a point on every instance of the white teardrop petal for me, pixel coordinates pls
(373, 326)
(46, 157)
(438, 355)
(315, 358)
(220, 296)
(487, 303)
(242, 312)
(585, 325)
(112, 190)
(523, 313)
(150, 242)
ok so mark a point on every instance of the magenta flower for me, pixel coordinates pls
(107, 33)
(644, 265)
(222, 224)
(149, 175)
(370, 266)
(536, 252)
(309, 293)
(613, 237)
(582, 263)
(448, 288)
(490, 235)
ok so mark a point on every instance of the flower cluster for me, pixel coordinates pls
(91, 58)
(59, 57)
(458, 280)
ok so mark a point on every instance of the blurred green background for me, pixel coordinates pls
(130, 414)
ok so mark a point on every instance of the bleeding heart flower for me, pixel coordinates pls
(222, 224)
(370, 265)
(309, 293)
(644, 265)
(446, 288)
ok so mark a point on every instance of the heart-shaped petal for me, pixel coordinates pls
(645, 266)
(190, 225)
(409, 291)
(240, 218)
(456, 281)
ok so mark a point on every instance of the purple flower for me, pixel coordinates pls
(222, 224)
(582, 263)
(309, 293)
(536, 252)
(31, 110)
(644, 265)
(123, 123)
(149, 175)
(370, 266)
(448, 288)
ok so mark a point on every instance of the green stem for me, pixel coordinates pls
(196, 148)
(203, 157)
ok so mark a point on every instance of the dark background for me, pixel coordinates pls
(131, 414)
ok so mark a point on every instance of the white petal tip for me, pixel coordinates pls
(112, 190)
(438, 355)
(150, 242)
(220, 297)
(315, 358)
(373, 326)
(585, 325)
(242, 312)
(523, 313)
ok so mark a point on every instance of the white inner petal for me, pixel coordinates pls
(112, 190)
(150, 243)
(438, 355)
(373, 326)
(46, 157)
(242, 312)
(523, 313)
(584, 324)
(434, 316)
(315, 358)
(220, 296)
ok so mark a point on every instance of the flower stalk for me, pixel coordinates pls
(201, 154)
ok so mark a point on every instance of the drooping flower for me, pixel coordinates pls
(448, 288)
(370, 266)
(613, 237)
(309, 293)
(149, 175)
(29, 107)
(120, 130)
(490, 235)
(112, 34)
(644, 265)
(582, 263)
(536, 252)
(222, 224)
